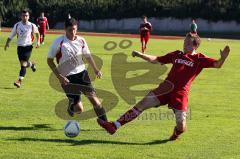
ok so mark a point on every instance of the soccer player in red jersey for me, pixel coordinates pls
(145, 29)
(187, 64)
(42, 26)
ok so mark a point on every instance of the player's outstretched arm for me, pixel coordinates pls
(149, 58)
(224, 54)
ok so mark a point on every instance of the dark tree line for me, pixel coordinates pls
(57, 10)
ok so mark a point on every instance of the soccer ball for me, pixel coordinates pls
(72, 129)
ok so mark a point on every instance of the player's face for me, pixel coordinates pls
(25, 17)
(71, 31)
(144, 20)
(188, 46)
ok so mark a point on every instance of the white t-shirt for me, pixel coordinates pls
(69, 54)
(24, 32)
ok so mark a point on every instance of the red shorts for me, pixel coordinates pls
(42, 32)
(145, 38)
(176, 99)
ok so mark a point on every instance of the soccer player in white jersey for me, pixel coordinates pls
(25, 31)
(69, 49)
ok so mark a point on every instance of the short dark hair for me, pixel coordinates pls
(144, 17)
(70, 22)
(25, 11)
(194, 38)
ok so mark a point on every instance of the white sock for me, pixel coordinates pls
(21, 78)
(117, 124)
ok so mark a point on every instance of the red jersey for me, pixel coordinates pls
(185, 68)
(42, 23)
(145, 32)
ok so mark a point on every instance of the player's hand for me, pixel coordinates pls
(63, 80)
(98, 74)
(225, 52)
(6, 46)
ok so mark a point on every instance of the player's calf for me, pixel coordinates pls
(22, 74)
(98, 108)
(180, 124)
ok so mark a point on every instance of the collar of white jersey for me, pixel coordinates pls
(65, 37)
(27, 23)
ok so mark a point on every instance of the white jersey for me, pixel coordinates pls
(69, 54)
(24, 32)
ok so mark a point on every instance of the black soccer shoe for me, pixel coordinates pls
(33, 67)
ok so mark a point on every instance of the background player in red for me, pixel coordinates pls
(42, 26)
(187, 64)
(145, 29)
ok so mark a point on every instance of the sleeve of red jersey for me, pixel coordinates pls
(168, 58)
(206, 62)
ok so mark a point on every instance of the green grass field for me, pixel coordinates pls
(29, 127)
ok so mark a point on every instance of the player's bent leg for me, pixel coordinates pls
(147, 102)
(74, 104)
(43, 38)
(180, 124)
(97, 106)
(142, 47)
(146, 41)
(142, 43)
(22, 73)
(78, 108)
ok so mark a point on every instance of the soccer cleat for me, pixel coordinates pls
(33, 67)
(17, 83)
(135, 53)
(70, 108)
(174, 137)
(108, 126)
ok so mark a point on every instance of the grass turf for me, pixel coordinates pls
(29, 127)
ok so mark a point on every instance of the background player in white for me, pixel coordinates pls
(69, 49)
(25, 31)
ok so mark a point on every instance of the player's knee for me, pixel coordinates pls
(94, 100)
(23, 63)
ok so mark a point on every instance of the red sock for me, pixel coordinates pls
(129, 116)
